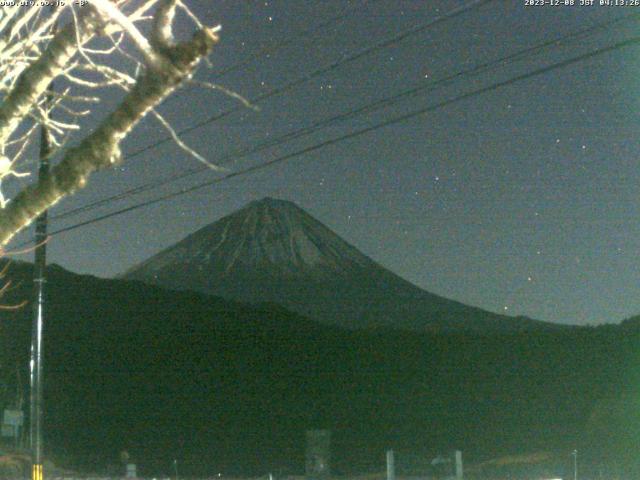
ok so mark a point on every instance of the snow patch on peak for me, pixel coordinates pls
(269, 236)
(307, 251)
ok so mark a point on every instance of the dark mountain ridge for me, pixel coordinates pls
(230, 387)
(273, 251)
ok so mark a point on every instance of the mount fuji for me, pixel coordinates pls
(273, 251)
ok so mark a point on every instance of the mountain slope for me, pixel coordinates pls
(273, 251)
(227, 387)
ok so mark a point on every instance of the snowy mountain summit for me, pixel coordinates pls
(273, 251)
(278, 237)
(274, 237)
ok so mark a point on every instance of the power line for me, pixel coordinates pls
(270, 49)
(371, 107)
(354, 56)
(327, 68)
(288, 41)
(357, 133)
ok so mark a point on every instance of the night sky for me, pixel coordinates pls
(522, 200)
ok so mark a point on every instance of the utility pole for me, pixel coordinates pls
(391, 465)
(39, 280)
(459, 473)
(575, 464)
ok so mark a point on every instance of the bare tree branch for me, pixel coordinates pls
(100, 149)
(33, 53)
(34, 81)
